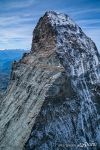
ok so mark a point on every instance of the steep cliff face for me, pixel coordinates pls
(53, 99)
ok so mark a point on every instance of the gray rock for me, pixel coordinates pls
(52, 101)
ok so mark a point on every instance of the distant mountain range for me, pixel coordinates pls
(6, 59)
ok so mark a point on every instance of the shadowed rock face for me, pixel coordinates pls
(53, 99)
(44, 37)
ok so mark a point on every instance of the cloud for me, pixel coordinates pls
(94, 34)
(14, 20)
(83, 11)
(19, 37)
(89, 23)
(14, 4)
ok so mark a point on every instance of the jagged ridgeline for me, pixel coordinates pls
(53, 102)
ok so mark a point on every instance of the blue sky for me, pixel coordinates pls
(19, 17)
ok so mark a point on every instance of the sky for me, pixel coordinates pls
(19, 17)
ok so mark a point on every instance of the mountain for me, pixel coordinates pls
(52, 102)
(7, 57)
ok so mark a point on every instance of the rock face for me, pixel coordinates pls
(53, 99)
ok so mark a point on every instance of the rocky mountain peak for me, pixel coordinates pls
(57, 32)
(59, 18)
(45, 32)
(53, 98)
(43, 35)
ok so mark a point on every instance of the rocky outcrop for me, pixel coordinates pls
(53, 99)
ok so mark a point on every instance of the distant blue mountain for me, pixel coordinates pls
(6, 59)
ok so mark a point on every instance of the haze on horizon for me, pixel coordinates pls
(18, 19)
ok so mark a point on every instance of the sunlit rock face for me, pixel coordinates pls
(52, 102)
